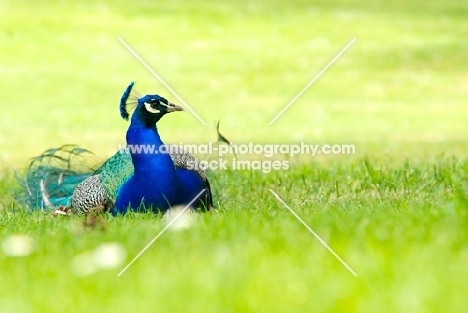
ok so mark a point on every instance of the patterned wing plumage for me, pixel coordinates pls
(99, 191)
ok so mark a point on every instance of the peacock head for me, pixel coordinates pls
(149, 108)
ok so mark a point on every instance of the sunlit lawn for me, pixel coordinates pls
(396, 212)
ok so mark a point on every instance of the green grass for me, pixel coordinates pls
(402, 229)
(396, 212)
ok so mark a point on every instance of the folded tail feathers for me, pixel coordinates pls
(51, 177)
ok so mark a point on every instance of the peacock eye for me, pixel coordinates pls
(152, 106)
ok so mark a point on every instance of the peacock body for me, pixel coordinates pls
(128, 180)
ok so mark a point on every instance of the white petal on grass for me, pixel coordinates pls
(222, 256)
(83, 264)
(17, 245)
(109, 255)
(105, 256)
(184, 221)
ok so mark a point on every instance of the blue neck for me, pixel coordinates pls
(148, 165)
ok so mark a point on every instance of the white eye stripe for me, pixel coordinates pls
(150, 109)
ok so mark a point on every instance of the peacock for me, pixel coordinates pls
(65, 179)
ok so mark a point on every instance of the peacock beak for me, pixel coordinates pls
(171, 107)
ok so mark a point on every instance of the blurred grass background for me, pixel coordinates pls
(400, 89)
(399, 94)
